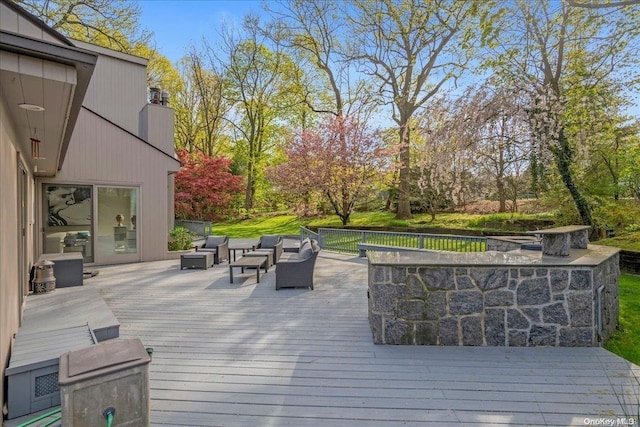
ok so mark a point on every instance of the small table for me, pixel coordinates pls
(202, 260)
(268, 253)
(241, 247)
(247, 262)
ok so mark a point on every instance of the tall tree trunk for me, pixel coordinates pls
(502, 197)
(563, 161)
(249, 192)
(404, 177)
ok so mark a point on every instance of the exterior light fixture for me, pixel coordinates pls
(31, 107)
(35, 148)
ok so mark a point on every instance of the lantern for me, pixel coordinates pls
(44, 280)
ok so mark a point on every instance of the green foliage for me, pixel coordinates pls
(180, 239)
(632, 228)
(112, 24)
(624, 341)
(628, 241)
(498, 218)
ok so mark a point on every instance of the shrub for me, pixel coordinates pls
(180, 239)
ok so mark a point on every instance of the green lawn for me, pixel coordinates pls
(256, 227)
(628, 241)
(626, 341)
(290, 224)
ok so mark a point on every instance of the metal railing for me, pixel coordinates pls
(347, 240)
(200, 228)
(305, 232)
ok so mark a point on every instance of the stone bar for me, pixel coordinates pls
(517, 298)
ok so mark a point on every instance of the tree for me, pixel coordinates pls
(413, 48)
(204, 186)
(203, 108)
(108, 23)
(630, 175)
(340, 158)
(443, 157)
(560, 54)
(314, 31)
(261, 85)
(491, 119)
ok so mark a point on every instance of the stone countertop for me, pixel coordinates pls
(591, 256)
(561, 230)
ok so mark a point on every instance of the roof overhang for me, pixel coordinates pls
(54, 77)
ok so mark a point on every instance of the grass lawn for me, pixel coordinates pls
(626, 341)
(628, 241)
(290, 224)
(256, 227)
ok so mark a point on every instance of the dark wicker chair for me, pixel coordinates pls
(219, 245)
(274, 242)
(295, 270)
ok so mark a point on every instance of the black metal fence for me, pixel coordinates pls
(339, 240)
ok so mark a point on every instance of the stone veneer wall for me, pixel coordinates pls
(492, 305)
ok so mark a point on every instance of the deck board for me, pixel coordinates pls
(243, 354)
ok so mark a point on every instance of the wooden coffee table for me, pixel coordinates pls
(248, 262)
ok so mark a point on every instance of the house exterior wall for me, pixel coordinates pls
(10, 261)
(12, 21)
(122, 140)
(100, 153)
(106, 148)
(118, 89)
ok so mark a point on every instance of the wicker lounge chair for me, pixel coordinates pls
(219, 245)
(274, 242)
(295, 270)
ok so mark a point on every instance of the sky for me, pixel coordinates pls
(179, 24)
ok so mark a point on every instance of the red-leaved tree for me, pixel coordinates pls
(340, 158)
(204, 186)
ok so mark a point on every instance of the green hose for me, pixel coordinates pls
(43, 416)
(108, 415)
(53, 421)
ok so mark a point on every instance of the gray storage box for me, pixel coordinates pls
(202, 260)
(68, 268)
(113, 374)
(32, 375)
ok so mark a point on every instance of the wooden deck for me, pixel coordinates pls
(243, 354)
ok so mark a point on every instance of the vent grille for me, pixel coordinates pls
(46, 384)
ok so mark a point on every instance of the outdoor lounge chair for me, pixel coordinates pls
(274, 242)
(295, 270)
(219, 245)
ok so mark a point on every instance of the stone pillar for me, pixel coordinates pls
(556, 244)
(579, 239)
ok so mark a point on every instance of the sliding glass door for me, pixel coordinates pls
(97, 221)
(116, 228)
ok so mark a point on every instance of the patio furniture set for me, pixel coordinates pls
(294, 266)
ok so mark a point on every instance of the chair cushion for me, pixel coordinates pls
(213, 241)
(269, 241)
(305, 250)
